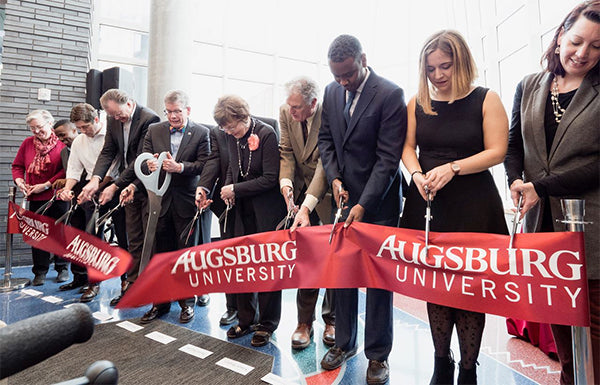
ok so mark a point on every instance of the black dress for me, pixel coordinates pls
(468, 203)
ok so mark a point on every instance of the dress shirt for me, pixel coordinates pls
(84, 153)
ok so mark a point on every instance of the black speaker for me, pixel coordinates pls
(116, 77)
(93, 88)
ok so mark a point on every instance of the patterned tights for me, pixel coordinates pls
(469, 327)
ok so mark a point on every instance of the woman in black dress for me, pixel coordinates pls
(461, 131)
(252, 189)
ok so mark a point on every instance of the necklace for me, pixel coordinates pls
(243, 146)
(556, 108)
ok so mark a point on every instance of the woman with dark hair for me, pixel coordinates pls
(252, 189)
(36, 166)
(554, 147)
(461, 131)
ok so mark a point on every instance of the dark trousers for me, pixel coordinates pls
(563, 338)
(41, 259)
(269, 310)
(136, 218)
(169, 231)
(306, 299)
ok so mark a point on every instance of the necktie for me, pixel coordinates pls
(304, 130)
(351, 95)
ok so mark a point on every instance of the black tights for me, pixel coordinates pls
(469, 327)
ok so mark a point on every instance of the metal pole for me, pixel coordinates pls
(9, 283)
(574, 212)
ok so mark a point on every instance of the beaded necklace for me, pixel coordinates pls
(243, 146)
(556, 108)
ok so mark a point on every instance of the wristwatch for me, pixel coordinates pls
(455, 168)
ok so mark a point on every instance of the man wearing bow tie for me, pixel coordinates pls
(188, 145)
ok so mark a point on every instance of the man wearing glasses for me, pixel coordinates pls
(127, 125)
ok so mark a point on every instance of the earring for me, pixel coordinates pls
(557, 50)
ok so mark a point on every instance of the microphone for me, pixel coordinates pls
(30, 341)
(99, 373)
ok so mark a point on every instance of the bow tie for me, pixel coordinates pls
(173, 130)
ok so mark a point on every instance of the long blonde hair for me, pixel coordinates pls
(464, 70)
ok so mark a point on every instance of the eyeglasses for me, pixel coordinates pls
(169, 112)
(231, 127)
(39, 127)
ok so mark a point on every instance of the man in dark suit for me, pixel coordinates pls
(188, 145)
(126, 127)
(361, 140)
(301, 173)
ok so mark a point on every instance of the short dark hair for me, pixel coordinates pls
(343, 47)
(590, 10)
(63, 122)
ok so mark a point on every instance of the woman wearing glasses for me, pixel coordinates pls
(36, 166)
(252, 189)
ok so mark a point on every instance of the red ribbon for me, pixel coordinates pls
(102, 260)
(542, 279)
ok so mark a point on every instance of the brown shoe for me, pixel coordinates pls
(302, 336)
(124, 286)
(329, 335)
(90, 293)
(378, 372)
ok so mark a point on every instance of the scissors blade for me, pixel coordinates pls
(66, 216)
(92, 225)
(46, 206)
(102, 220)
(191, 226)
(154, 205)
(515, 221)
(338, 214)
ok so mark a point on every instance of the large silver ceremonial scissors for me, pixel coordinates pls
(338, 213)
(428, 217)
(516, 221)
(155, 194)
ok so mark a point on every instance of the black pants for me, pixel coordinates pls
(41, 258)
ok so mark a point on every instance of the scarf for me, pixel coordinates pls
(42, 159)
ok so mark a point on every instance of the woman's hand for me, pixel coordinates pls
(21, 185)
(419, 180)
(438, 177)
(227, 193)
(38, 188)
(530, 196)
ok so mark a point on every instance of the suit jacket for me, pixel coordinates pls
(301, 163)
(114, 145)
(193, 152)
(366, 155)
(576, 144)
(261, 184)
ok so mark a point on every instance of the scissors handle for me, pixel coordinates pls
(151, 180)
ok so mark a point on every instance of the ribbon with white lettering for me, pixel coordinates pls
(102, 260)
(541, 279)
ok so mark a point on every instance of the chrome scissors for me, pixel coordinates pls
(190, 226)
(66, 217)
(102, 220)
(515, 221)
(223, 217)
(92, 225)
(338, 213)
(428, 218)
(42, 210)
(288, 220)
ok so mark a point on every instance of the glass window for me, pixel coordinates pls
(123, 43)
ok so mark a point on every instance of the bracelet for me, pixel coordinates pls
(412, 174)
(46, 187)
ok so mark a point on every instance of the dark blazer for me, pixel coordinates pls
(576, 147)
(366, 155)
(262, 184)
(114, 145)
(193, 152)
(216, 167)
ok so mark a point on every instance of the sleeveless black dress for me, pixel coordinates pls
(468, 203)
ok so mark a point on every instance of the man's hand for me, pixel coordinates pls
(302, 218)
(65, 194)
(88, 191)
(108, 193)
(356, 214)
(170, 165)
(338, 191)
(201, 202)
(127, 194)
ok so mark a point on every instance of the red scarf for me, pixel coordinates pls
(42, 159)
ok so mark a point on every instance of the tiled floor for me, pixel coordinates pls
(504, 360)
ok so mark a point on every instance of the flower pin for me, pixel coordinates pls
(253, 142)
